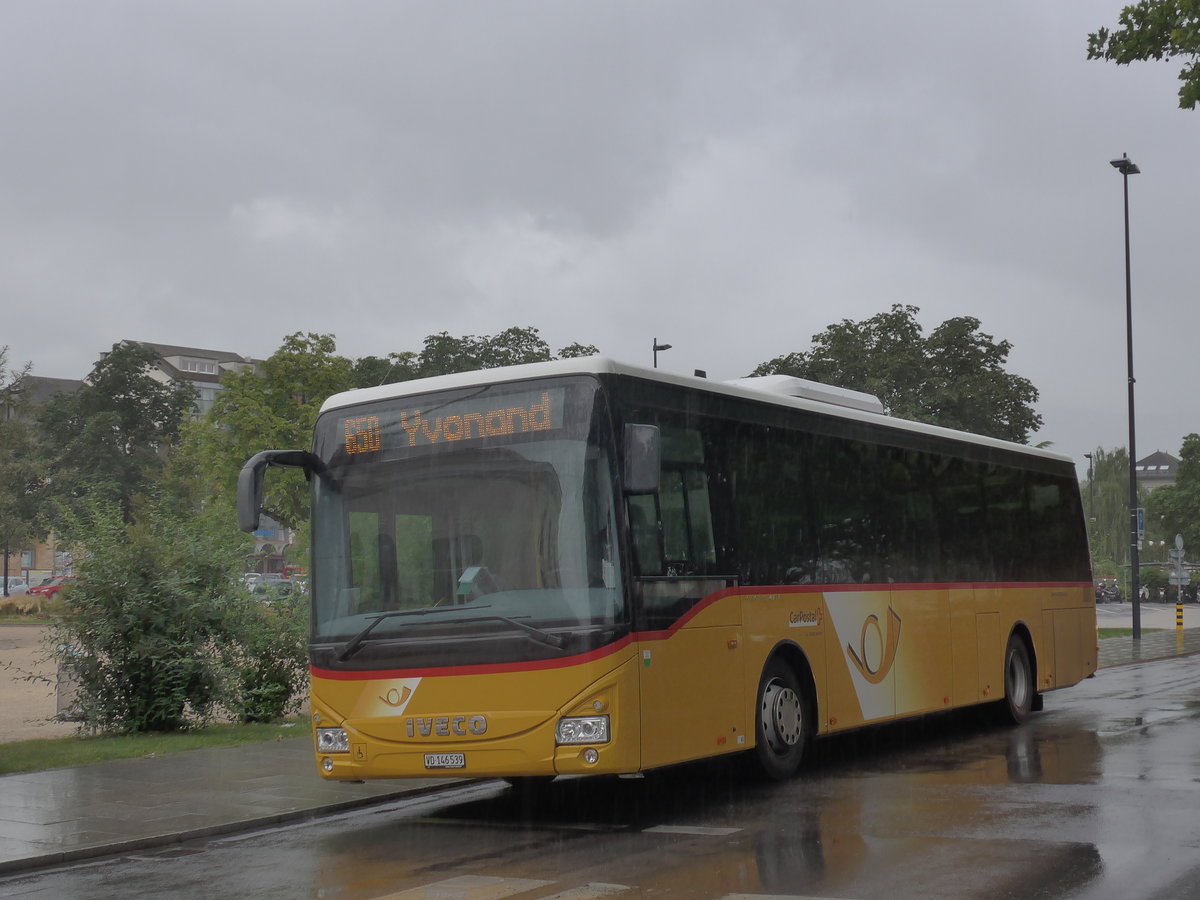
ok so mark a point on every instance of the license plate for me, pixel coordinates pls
(445, 760)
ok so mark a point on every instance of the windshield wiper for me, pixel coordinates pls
(554, 640)
(351, 646)
(355, 642)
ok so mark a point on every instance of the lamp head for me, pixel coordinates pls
(1125, 166)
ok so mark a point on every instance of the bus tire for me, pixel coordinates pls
(1019, 688)
(783, 720)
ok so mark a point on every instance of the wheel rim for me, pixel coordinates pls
(1018, 681)
(782, 717)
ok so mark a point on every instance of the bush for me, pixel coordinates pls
(268, 656)
(145, 617)
(158, 633)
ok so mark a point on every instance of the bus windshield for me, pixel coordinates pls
(478, 516)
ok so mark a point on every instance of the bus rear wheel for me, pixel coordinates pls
(783, 721)
(1018, 682)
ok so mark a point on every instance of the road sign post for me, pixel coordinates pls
(1179, 577)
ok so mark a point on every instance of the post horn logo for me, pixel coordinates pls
(862, 660)
(397, 698)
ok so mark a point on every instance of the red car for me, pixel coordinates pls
(51, 586)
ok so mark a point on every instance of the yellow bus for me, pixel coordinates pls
(583, 567)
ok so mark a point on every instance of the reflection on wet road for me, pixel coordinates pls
(1095, 797)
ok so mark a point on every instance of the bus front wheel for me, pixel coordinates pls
(783, 721)
(1018, 682)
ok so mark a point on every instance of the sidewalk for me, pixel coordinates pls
(62, 815)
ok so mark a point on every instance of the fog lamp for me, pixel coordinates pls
(583, 730)
(327, 764)
(333, 740)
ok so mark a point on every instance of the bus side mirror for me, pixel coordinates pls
(250, 480)
(643, 459)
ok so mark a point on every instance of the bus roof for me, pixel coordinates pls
(778, 390)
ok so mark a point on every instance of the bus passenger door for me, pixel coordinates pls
(690, 633)
(691, 678)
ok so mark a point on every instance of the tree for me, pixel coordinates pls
(1106, 506)
(108, 439)
(20, 466)
(443, 354)
(274, 408)
(1177, 506)
(954, 378)
(576, 350)
(1156, 29)
(372, 371)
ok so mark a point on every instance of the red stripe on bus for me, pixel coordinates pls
(666, 633)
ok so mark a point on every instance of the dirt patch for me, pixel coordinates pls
(29, 705)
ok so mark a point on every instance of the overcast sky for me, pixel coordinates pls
(730, 178)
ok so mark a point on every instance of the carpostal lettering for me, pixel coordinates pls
(804, 619)
(445, 726)
(422, 429)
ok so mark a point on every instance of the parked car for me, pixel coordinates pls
(15, 586)
(51, 586)
(270, 588)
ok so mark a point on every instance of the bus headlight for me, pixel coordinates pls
(583, 730)
(333, 740)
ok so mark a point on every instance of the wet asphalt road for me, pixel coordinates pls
(1098, 796)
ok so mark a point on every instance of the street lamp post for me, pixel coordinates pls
(658, 347)
(1091, 522)
(1127, 167)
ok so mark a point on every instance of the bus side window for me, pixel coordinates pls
(673, 532)
(700, 524)
(674, 517)
(643, 527)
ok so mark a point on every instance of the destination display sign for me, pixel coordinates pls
(472, 419)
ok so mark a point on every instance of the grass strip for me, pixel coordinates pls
(56, 753)
(1103, 633)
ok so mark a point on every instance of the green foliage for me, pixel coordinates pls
(1156, 29)
(954, 378)
(21, 466)
(576, 350)
(443, 354)
(371, 371)
(275, 408)
(107, 440)
(146, 618)
(268, 654)
(40, 754)
(159, 634)
(1106, 505)
(1176, 507)
(1154, 578)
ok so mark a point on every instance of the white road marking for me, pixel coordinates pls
(690, 829)
(589, 891)
(469, 887)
